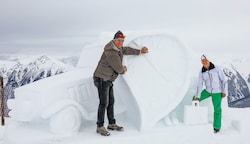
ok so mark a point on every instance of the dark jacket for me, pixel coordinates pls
(110, 64)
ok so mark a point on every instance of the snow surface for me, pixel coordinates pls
(165, 120)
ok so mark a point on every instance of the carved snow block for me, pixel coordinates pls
(195, 115)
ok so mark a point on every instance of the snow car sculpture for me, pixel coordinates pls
(69, 98)
(59, 101)
(64, 99)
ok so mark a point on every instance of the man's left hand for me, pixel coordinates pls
(144, 50)
(223, 95)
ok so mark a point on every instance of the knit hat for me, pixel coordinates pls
(119, 36)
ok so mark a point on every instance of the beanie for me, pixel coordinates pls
(119, 36)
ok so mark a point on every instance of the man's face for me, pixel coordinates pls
(118, 43)
(205, 62)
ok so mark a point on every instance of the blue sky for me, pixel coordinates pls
(67, 25)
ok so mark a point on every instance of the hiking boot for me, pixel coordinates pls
(115, 127)
(216, 130)
(102, 130)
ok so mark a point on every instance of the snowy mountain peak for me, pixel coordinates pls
(36, 69)
(32, 70)
(45, 61)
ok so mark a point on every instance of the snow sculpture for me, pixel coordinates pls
(156, 83)
(64, 99)
(146, 93)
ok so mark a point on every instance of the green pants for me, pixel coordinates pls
(216, 99)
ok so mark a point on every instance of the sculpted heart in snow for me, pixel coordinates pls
(157, 84)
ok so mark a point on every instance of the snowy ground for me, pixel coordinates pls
(14, 133)
(235, 127)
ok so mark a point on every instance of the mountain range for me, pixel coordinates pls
(238, 83)
(24, 73)
(43, 66)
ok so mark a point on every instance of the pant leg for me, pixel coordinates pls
(216, 99)
(103, 88)
(110, 108)
(204, 95)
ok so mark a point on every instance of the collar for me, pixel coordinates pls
(114, 46)
(210, 67)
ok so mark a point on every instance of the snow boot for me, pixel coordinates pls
(115, 127)
(102, 130)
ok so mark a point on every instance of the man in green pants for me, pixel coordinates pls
(215, 86)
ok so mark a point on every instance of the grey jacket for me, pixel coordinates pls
(110, 64)
(214, 80)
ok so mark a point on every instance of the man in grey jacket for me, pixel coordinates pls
(108, 69)
(215, 86)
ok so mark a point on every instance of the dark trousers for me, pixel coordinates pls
(106, 101)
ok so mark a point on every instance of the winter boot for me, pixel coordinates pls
(115, 127)
(102, 130)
